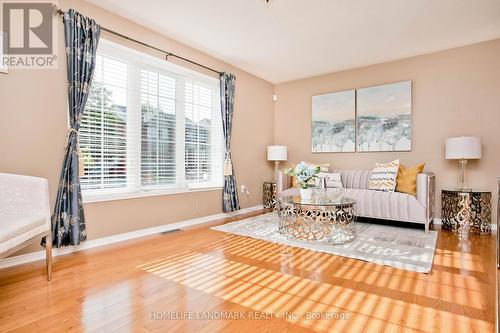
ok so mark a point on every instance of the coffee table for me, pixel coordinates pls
(323, 218)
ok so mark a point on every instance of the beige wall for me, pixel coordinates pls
(455, 92)
(33, 129)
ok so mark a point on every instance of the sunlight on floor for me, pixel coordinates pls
(371, 295)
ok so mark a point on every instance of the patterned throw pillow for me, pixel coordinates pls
(333, 179)
(383, 177)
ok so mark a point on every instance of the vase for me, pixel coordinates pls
(306, 193)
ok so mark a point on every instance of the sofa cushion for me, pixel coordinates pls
(387, 205)
(355, 178)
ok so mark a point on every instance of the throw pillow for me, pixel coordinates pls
(333, 179)
(407, 179)
(383, 177)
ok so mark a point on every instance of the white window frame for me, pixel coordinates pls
(134, 189)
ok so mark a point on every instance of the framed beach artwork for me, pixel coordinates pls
(384, 117)
(333, 127)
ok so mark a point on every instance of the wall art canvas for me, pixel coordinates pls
(334, 122)
(384, 117)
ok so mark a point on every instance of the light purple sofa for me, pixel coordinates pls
(394, 206)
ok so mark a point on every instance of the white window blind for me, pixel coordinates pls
(203, 157)
(149, 126)
(103, 131)
(158, 128)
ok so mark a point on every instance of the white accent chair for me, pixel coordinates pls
(24, 214)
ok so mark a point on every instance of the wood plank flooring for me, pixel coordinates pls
(200, 280)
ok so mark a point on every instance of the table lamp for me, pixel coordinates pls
(463, 148)
(276, 154)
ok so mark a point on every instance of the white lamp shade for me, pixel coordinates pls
(463, 147)
(277, 153)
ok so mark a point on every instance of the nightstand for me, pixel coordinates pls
(466, 212)
(269, 195)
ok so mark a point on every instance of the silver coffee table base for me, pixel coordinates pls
(330, 223)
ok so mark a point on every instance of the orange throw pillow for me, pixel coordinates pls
(407, 179)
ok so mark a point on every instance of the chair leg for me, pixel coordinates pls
(427, 227)
(48, 255)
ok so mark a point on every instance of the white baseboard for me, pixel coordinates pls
(40, 255)
(440, 222)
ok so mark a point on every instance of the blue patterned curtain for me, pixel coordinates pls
(81, 36)
(230, 200)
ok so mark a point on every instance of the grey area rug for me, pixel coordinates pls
(403, 248)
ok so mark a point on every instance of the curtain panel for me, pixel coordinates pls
(81, 36)
(230, 200)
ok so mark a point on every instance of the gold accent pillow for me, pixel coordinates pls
(407, 179)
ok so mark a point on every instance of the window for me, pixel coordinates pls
(148, 127)
(158, 124)
(199, 144)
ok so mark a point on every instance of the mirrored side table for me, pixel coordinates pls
(269, 196)
(466, 212)
(498, 229)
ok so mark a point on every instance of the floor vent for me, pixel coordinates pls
(170, 231)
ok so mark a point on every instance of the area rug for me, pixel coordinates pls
(403, 248)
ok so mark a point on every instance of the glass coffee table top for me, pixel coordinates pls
(323, 200)
(328, 201)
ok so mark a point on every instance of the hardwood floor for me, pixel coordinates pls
(138, 286)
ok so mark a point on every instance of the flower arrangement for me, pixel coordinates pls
(306, 175)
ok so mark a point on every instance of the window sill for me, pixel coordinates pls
(144, 194)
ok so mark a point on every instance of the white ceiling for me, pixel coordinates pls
(291, 39)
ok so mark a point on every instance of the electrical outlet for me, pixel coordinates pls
(244, 189)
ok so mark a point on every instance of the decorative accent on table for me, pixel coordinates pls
(269, 196)
(383, 117)
(333, 122)
(305, 178)
(463, 148)
(326, 220)
(466, 212)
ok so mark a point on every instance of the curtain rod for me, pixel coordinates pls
(167, 54)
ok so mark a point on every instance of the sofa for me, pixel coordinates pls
(394, 206)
